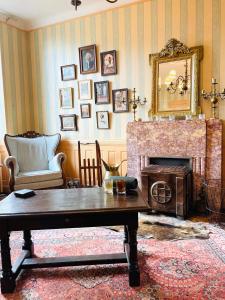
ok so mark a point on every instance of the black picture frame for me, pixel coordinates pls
(101, 89)
(108, 63)
(72, 119)
(102, 118)
(88, 59)
(120, 101)
(68, 72)
(85, 114)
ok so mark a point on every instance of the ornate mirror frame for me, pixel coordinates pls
(175, 51)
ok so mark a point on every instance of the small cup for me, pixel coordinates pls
(108, 186)
(121, 187)
(171, 118)
(201, 116)
(188, 117)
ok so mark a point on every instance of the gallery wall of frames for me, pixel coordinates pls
(102, 92)
(111, 50)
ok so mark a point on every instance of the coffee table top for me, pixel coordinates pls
(72, 201)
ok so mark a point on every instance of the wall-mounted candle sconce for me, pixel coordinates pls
(135, 102)
(213, 96)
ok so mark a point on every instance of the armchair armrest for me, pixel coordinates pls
(56, 163)
(11, 163)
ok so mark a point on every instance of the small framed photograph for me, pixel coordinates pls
(84, 89)
(102, 119)
(68, 122)
(68, 72)
(88, 60)
(102, 92)
(120, 100)
(85, 111)
(108, 63)
(66, 97)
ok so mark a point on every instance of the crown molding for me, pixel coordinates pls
(34, 24)
(12, 20)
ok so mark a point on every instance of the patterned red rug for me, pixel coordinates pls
(184, 269)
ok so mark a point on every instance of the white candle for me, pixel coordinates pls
(213, 80)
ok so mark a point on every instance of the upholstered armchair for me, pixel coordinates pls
(32, 161)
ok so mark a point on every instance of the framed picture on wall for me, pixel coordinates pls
(68, 72)
(108, 63)
(84, 89)
(102, 92)
(88, 60)
(120, 101)
(66, 97)
(85, 111)
(102, 119)
(68, 122)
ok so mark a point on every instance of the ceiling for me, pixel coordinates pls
(31, 14)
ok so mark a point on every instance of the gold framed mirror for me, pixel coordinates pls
(175, 80)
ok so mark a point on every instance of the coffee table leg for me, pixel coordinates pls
(8, 282)
(134, 273)
(125, 241)
(28, 244)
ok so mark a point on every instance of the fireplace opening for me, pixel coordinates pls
(171, 161)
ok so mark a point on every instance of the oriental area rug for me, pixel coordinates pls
(177, 269)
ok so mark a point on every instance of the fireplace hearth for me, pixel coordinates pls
(198, 144)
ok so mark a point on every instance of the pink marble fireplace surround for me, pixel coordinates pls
(200, 140)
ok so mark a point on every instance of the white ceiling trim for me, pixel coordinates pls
(12, 20)
(41, 13)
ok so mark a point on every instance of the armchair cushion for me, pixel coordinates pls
(39, 185)
(33, 154)
(37, 176)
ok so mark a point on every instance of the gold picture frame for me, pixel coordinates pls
(175, 80)
(66, 98)
(85, 89)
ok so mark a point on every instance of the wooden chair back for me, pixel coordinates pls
(90, 169)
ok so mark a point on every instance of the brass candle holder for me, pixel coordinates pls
(213, 96)
(135, 102)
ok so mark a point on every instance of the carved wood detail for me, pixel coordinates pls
(30, 134)
(174, 48)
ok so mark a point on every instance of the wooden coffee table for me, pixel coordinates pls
(53, 209)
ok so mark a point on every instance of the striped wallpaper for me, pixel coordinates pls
(134, 31)
(2, 107)
(32, 60)
(16, 78)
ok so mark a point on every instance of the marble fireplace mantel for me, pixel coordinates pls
(201, 140)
